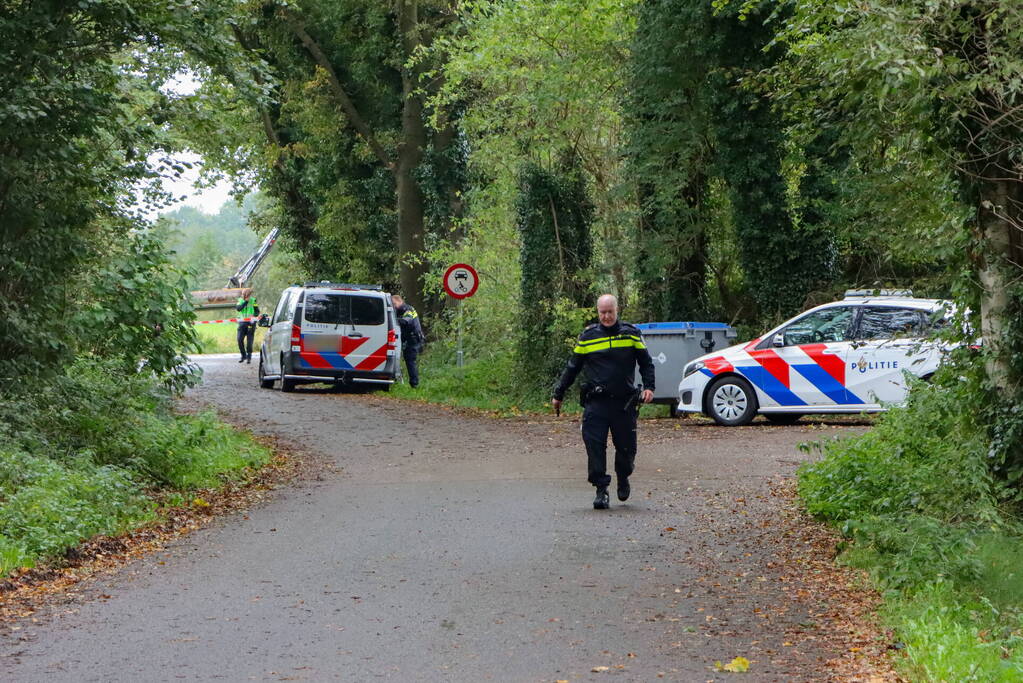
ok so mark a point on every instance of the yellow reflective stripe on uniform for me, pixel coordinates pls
(597, 345)
(622, 341)
(587, 342)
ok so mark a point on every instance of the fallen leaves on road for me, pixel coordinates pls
(739, 665)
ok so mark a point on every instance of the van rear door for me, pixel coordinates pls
(343, 331)
(367, 341)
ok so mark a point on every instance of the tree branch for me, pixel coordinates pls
(360, 125)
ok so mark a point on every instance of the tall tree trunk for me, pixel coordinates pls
(411, 228)
(1000, 219)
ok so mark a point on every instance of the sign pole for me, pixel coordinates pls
(459, 356)
(460, 282)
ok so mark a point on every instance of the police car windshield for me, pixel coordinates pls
(344, 309)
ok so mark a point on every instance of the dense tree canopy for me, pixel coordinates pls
(82, 112)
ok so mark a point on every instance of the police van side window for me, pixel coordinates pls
(820, 327)
(282, 306)
(889, 322)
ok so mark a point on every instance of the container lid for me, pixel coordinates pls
(683, 326)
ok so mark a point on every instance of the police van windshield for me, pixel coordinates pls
(344, 309)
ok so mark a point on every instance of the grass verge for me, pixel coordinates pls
(492, 384)
(223, 338)
(92, 451)
(935, 530)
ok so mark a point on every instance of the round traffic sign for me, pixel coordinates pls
(461, 281)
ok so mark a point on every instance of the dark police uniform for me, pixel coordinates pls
(608, 357)
(412, 339)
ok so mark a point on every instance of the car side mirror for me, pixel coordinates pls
(779, 340)
(264, 321)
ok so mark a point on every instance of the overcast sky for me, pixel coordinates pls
(207, 200)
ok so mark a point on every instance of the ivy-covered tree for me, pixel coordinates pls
(670, 151)
(693, 119)
(554, 217)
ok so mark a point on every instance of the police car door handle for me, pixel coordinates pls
(354, 335)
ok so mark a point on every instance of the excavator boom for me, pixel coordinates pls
(238, 283)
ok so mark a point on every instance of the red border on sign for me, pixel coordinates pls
(475, 285)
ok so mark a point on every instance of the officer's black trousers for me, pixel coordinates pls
(411, 354)
(600, 416)
(246, 333)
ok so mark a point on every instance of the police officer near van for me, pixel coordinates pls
(412, 337)
(246, 308)
(608, 352)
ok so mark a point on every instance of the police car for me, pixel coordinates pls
(847, 356)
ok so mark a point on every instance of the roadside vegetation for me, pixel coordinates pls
(86, 453)
(936, 524)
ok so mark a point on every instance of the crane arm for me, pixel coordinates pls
(248, 269)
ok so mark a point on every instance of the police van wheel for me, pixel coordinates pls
(286, 384)
(731, 402)
(263, 383)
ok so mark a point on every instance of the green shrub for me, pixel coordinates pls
(913, 491)
(935, 528)
(491, 383)
(121, 420)
(79, 451)
(951, 636)
(48, 506)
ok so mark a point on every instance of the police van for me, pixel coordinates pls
(848, 356)
(331, 332)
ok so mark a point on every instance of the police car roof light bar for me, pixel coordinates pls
(343, 285)
(873, 293)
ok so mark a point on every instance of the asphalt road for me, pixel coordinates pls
(441, 546)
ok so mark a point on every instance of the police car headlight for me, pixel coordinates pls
(691, 368)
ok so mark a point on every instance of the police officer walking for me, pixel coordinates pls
(608, 353)
(412, 337)
(246, 329)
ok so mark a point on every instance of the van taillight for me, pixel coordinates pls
(296, 337)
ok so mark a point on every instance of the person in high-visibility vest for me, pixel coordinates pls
(247, 308)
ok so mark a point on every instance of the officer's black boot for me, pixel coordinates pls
(623, 488)
(601, 502)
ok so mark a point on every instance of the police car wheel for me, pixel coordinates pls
(731, 401)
